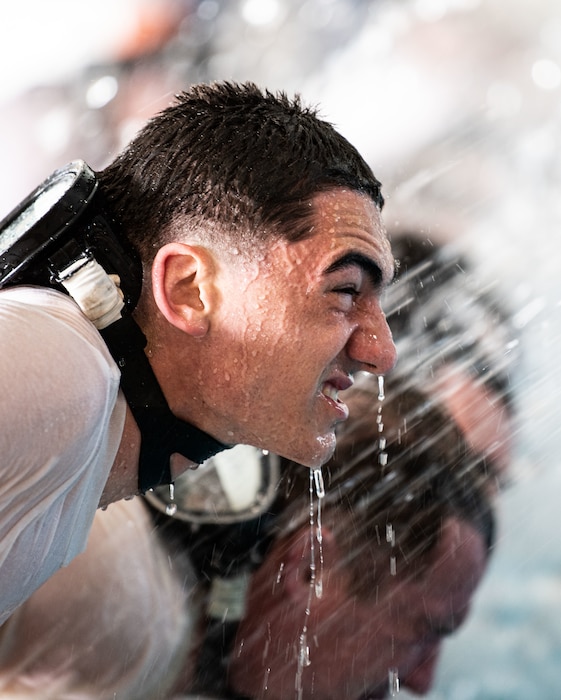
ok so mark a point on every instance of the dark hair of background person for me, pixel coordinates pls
(441, 312)
(235, 160)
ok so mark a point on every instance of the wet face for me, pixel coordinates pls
(405, 628)
(295, 326)
(480, 413)
(353, 641)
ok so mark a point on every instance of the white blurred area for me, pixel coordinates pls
(47, 42)
(457, 106)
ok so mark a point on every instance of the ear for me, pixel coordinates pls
(298, 563)
(183, 285)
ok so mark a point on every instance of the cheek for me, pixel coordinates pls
(366, 640)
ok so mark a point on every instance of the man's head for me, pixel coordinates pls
(405, 543)
(264, 257)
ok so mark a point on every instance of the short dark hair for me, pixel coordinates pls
(233, 158)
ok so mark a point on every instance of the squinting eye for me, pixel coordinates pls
(351, 291)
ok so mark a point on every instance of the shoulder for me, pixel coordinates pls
(60, 424)
(45, 328)
(55, 369)
(25, 307)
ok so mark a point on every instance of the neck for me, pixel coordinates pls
(123, 478)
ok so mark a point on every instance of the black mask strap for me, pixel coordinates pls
(163, 434)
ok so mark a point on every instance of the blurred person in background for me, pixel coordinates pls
(406, 532)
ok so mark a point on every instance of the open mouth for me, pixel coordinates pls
(331, 392)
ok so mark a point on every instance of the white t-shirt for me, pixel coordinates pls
(118, 622)
(62, 417)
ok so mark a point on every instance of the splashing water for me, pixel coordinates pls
(171, 507)
(318, 482)
(381, 394)
(390, 534)
(382, 456)
(303, 648)
(390, 537)
(317, 488)
(393, 682)
(320, 493)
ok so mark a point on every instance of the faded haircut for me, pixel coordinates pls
(230, 160)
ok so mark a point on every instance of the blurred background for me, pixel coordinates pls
(456, 104)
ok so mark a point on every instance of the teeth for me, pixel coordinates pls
(330, 391)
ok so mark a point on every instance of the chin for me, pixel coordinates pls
(318, 453)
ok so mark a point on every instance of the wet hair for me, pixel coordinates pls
(387, 499)
(441, 313)
(232, 160)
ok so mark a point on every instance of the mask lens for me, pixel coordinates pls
(235, 485)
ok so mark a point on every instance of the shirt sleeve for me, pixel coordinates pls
(61, 423)
(117, 622)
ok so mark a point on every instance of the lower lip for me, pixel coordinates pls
(339, 407)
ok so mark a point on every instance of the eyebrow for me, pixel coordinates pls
(366, 264)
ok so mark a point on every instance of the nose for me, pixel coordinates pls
(371, 344)
(421, 677)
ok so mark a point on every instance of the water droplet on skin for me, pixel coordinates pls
(393, 566)
(383, 458)
(382, 443)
